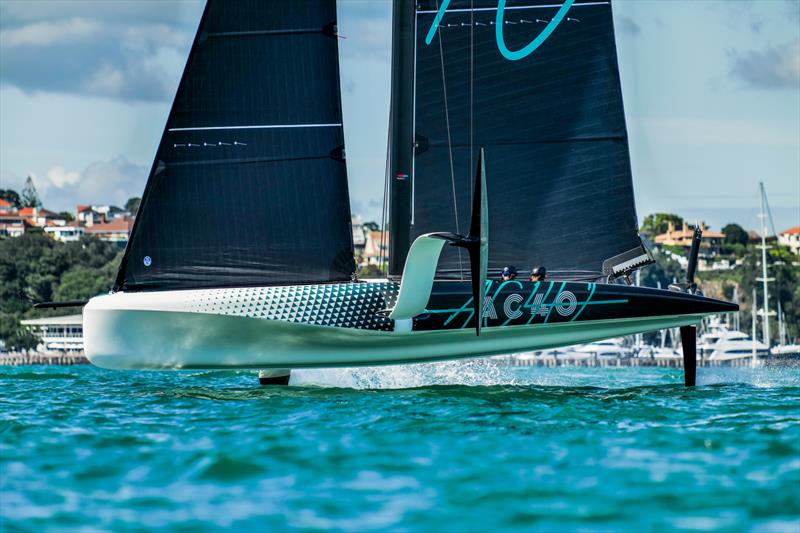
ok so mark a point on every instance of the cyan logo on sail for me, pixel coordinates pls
(501, 43)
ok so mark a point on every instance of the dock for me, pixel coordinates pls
(40, 358)
(580, 360)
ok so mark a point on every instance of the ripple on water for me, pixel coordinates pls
(446, 446)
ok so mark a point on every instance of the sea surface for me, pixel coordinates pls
(467, 446)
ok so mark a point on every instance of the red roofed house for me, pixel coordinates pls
(5, 207)
(12, 225)
(41, 217)
(373, 248)
(710, 242)
(791, 238)
(115, 231)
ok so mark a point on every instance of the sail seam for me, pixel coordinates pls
(256, 33)
(509, 8)
(245, 161)
(258, 127)
(516, 143)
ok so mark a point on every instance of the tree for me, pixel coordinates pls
(34, 267)
(663, 272)
(66, 215)
(735, 234)
(11, 197)
(132, 205)
(658, 223)
(29, 196)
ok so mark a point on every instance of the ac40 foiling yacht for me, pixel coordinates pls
(508, 145)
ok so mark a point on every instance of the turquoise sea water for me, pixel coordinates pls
(446, 447)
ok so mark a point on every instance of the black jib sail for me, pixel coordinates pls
(249, 185)
(535, 83)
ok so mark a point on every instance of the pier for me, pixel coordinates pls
(40, 358)
(580, 360)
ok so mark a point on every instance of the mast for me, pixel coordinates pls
(764, 278)
(753, 311)
(401, 127)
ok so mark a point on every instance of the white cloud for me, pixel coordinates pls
(48, 33)
(102, 182)
(686, 130)
(116, 58)
(60, 177)
(106, 81)
(772, 68)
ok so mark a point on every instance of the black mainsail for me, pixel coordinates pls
(249, 184)
(535, 83)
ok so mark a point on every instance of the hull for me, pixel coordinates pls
(336, 325)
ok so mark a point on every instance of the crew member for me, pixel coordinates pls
(509, 273)
(538, 273)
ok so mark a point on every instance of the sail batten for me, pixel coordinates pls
(249, 185)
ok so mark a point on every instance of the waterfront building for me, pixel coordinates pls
(57, 333)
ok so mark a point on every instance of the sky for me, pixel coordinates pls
(711, 91)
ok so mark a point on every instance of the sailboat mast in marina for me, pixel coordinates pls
(508, 146)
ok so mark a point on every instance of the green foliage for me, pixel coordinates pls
(371, 272)
(735, 234)
(785, 288)
(10, 196)
(66, 215)
(658, 223)
(736, 250)
(133, 204)
(665, 271)
(29, 196)
(34, 267)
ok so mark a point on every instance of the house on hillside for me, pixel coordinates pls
(116, 231)
(359, 234)
(790, 238)
(12, 225)
(68, 233)
(375, 247)
(89, 215)
(6, 207)
(709, 244)
(41, 217)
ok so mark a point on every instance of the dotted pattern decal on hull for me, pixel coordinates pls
(344, 305)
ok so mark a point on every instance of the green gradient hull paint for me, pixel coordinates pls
(165, 339)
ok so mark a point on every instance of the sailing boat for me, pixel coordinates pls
(503, 151)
